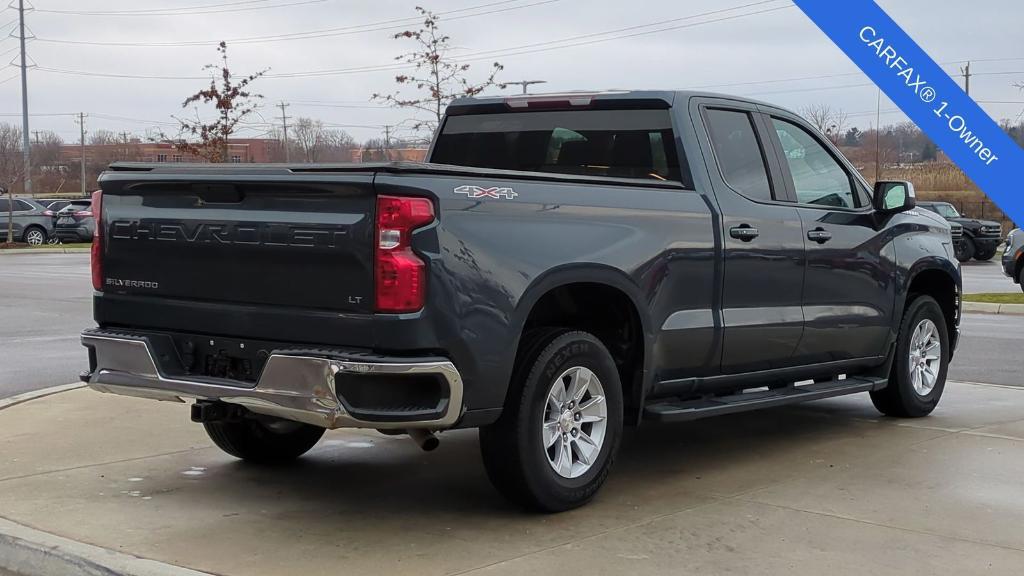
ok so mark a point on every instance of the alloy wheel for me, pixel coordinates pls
(925, 357)
(575, 419)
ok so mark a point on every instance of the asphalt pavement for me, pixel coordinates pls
(986, 277)
(45, 301)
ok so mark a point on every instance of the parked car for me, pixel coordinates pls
(58, 204)
(75, 222)
(566, 265)
(32, 222)
(981, 238)
(1013, 256)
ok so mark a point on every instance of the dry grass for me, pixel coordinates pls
(944, 182)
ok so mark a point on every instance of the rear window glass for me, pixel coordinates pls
(612, 143)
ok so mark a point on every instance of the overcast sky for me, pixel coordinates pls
(775, 46)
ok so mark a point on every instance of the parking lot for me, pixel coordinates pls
(791, 490)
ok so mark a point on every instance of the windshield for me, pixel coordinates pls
(947, 211)
(614, 143)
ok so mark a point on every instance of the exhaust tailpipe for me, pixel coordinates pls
(425, 439)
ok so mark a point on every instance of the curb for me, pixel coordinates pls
(35, 394)
(44, 251)
(32, 552)
(992, 308)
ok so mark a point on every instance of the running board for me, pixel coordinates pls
(676, 410)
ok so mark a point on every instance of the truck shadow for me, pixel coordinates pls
(380, 476)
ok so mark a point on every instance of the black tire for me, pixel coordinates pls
(965, 250)
(984, 255)
(900, 398)
(29, 233)
(1020, 278)
(512, 448)
(263, 440)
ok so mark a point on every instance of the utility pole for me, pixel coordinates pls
(81, 124)
(24, 100)
(966, 72)
(387, 142)
(878, 133)
(284, 123)
(524, 83)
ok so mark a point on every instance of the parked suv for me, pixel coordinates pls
(32, 222)
(75, 222)
(564, 266)
(1013, 256)
(981, 238)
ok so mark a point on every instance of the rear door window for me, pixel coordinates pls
(739, 153)
(612, 143)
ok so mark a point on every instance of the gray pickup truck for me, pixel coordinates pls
(562, 267)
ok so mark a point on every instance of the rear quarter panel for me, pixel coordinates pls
(494, 258)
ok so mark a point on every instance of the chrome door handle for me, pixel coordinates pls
(744, 232)
(819, 235)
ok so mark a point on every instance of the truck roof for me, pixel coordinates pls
(611, 98)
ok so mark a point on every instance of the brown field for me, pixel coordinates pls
(944, 182)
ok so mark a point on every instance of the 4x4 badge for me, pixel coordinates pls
(481, 192)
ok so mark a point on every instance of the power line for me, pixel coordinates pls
(484, 55)
(207, 6)
(179, 11)
(392, 24)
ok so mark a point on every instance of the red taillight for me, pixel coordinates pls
(97, 239)
(47, 212)
(400, 274)
(83, 213)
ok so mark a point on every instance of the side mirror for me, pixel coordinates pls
(892, 196)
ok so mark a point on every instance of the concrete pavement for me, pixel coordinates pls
(828, 487)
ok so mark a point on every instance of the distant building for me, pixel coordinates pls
(393, 155)
(240, 150)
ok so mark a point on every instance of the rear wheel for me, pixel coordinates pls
(1020, 278)
(918, 375)
(555, 442)
(984, 254)
(262, 439)
(965, 250)
(35, 236)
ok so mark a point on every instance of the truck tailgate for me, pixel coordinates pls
(260, 238)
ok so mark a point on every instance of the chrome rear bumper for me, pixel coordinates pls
(290, 386)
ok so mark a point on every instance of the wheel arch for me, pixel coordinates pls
(940, 279)
(596, 277)
(29, 227)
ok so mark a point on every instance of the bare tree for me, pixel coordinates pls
(232, 101)
(818, 115)
(437, 78)
(831, 123)
(837, 127)
(317, 143)
(103, 138)
(11, 169)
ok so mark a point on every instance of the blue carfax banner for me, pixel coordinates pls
(925, 93)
